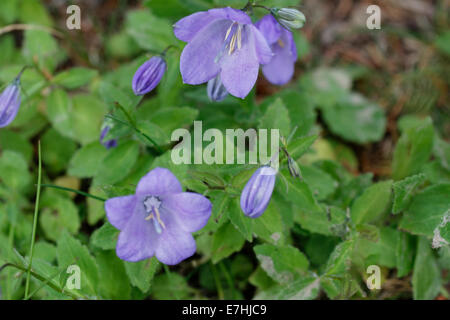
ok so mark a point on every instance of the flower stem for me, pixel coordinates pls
(157, 147)
(74, 191)
(220, 293)
(36, 211)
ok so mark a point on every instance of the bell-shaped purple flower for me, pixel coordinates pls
(216, 90)
(148, 76)
(222, 42)
(10, 103)
(257, 192)
(280, 69)
(108, 144)
(158, 219)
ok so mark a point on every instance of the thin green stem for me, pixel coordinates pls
(11, 245)
(36, 211)
(71, 294)
(157, 147)
(228, 278)
(74, 191)
(220, 293)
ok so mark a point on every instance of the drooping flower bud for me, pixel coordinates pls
(110, 143)
(294, 169)
(148, 76)
(257, 192)
(289, 18)
(10, 102)
(216, 90)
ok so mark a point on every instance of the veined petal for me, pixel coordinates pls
(158, 182)
(138, 240)
(270, 28)
(190, 210)
(280, 69)
(174, 246)
(119, 210)
(232, 14)
(9, 104)
(263, 50)
(198, 63)
(239, 70)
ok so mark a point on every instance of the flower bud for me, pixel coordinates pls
(216, 90)
(257, 192)
(108, 144)
(289, 18)
(148, 76)
(294, 169)
(10, 103)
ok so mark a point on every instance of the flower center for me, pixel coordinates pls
(233, 38)
(152, 205)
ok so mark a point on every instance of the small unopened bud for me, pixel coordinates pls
(10, 102)
(294, 169)
(148, 76)
(289, 18)
(104, 140)
(216, 90)
(258, 191)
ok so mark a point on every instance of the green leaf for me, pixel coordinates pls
(13, 141)
(300, 146)
(105, 237)
(329, 221)
(373, 203)
(403, 192)
(40, 46)
(59, 109)
(269, 226)
(226, 240)
(75, 77)
(118, 163)
(413, 149)
(34, 12)
(321, 183)
(14, 171)
(141, 273)
(282, 263)
(113, 280)
(299, 193)
(301, 289)
(70, 251)
(56, 150)
(240, 220)
(87, 117)
(149, 32)
(405, 251)
(87, 160)
(356, 119)
(426, 277)
(276, 117)
(58, 214)
(170, 287)
(340, 259)
(427, 210)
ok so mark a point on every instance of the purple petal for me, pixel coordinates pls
(257, 192)
(186, 28)
(174, 246)
(119, 210)
(138, 240)
(9, 104)
(198, 60)
(215, 90)
(280, 69)
(240, 69)
(232, 14)
(190, 210)
(270, 28)
(149, 75)
(158, 182)
(263, 51)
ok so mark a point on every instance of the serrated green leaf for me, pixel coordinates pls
(403, 192)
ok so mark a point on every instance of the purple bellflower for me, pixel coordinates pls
(280, 69)
(10, 102)
(149, 75)
(108, 144)
(216, 91)
(222, 42)
(257, 192)
(158, 219)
